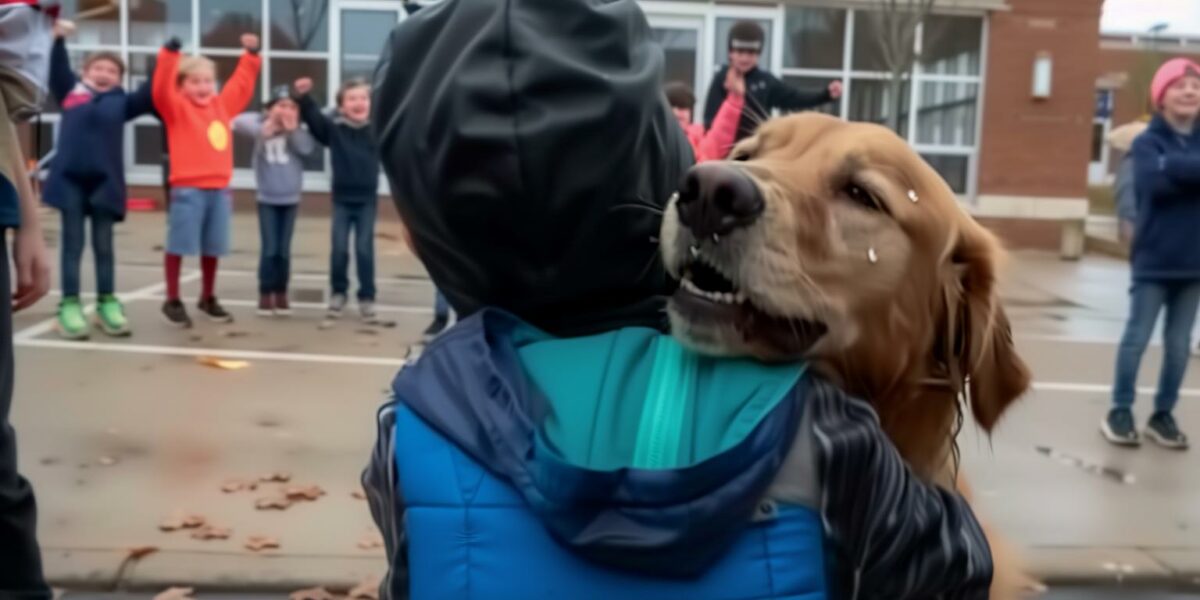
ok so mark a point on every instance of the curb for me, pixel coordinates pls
(111, 569)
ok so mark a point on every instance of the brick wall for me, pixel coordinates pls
(1039, 147)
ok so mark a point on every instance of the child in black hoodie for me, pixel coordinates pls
(355, 188)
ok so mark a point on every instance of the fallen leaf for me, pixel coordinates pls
(180, 521)
(49, 461)
(107, 461)
(257, 543)
(303, 492)
(234, 333)
(365, 331)
(212, 532)
(138, 552)
(272, 503)
(367, 590)
(280, 476)
(236, 485)
(195, 337)
(175, 593)
(222, 363)
(317, 593)
(358, 495)
(370, 541)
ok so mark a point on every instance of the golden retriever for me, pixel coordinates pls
(836, 243)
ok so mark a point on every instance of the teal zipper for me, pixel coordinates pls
(671, 390)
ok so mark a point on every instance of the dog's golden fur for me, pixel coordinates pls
(860, 235)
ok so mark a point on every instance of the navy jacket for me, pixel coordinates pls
(764, 93)
(352, 150)
(91, 139)
(1166, 243)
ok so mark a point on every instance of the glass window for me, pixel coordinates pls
(284, 71)
(946, 114)
(152, 23)
(364, 32)
(222, 22)
(1097, 142)
(877, 101)
(871, 40)
(814, 85)
(815, 38)
(243, 152)
(724, 24)
(148, 145)
(102, 28)
(680, 46)
(951, 45)
(953, 168)
(225, 67)
(139, 68)
(300, 25)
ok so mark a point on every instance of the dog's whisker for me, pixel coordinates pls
(646, 207)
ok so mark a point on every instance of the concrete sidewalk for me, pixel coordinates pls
(119, 434)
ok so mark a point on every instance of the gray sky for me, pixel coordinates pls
(1183, 16)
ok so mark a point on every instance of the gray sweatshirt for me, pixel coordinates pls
(278, 160)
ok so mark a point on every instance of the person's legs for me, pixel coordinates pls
(364, 251)
(1146, 300)
(72, 324)
(218, 218)
(20, 560)
(283, 268)
(339, 257)
(1183, 298)
(185, 224)
(267, 249)
(109, 313)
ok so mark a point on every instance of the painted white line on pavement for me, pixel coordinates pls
(217, 352)
(322, 277)
(399, 308)
(1100, 388)
(142, 293)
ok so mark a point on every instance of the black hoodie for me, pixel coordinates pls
(530, 151)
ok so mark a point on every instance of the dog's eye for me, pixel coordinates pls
(862, 197)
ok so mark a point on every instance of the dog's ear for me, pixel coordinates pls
(981, 331)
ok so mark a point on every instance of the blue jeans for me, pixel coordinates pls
(359, 217)
(74, 214)
(1148, 298)
(276, 223)
(198, 222)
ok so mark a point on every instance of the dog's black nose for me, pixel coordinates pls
(717, 198)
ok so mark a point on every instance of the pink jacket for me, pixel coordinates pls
(715, 144)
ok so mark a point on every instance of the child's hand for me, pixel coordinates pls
(735, 82)
(270, 127)
(63, 28)
(303, 85)
(250, 41)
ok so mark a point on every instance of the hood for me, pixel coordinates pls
(632, 451)
(530, 153)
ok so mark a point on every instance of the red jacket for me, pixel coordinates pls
(716, 144)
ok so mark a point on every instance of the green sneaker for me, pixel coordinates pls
(110, 316)
(72, 325)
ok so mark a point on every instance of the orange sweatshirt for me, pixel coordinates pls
(198, 137)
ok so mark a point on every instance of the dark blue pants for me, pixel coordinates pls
(276, 223)
(20, 561)
(358, 217)
(74, 215)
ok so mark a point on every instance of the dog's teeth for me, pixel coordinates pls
(740, 297)
(727, 298)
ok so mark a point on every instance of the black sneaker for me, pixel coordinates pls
(1118, 428)
(1162, 430)
(212, 307)
(436, 327)
(176, 314)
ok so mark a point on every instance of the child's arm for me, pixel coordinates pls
(62, 79)
(163, 90)
(141, 101)
(30, 259)
(240, 88)
(248, 124)
(719, 140)
(319, 125)
(301, 142)
(896, 535)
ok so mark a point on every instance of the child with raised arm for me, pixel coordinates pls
(197, 120)
(87, 176)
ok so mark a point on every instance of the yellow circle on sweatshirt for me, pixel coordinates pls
(218, 135)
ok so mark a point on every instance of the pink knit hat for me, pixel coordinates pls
(1173, 70)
